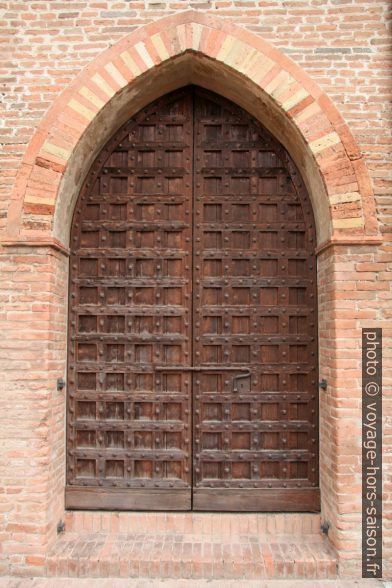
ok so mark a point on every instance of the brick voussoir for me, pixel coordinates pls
(148, 46)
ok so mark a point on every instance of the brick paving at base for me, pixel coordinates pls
(177, 555)
(8, 582)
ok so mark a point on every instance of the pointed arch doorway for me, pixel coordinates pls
(193, 318)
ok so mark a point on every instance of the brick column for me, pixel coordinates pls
(32, 411)
(350, 289)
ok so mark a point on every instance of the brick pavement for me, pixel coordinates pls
(189, 555)
(8, 582)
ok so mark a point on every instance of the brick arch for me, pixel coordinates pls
(209, 49)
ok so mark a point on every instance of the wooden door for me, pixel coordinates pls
(255, 436)
(129, 425)
(192, 340)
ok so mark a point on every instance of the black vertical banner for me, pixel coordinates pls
(371, 453)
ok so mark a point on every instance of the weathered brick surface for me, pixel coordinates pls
(187, 555)
(8, 582)
(194, 523)
(32, 355)
(349, 298)
(332, 154)
(344, 46)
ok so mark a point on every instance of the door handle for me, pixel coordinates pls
(240, 377)
(203, 368)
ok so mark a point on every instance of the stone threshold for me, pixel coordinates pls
(201, 523)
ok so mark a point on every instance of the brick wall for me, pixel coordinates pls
(32, 355)
(352, 293)
(344, 45)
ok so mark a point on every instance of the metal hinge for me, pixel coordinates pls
(60, 384)
(325, 527)
(323, 384)
(60, 527)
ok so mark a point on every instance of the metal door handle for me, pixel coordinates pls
(240, 377)
(201, 368)
(204, 368)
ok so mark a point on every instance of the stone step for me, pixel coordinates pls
(190, 555)
(201, 523)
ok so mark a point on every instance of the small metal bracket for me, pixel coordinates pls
(60, 527)
(323, 384)
(325, 527)
(244, 385)
(60, 384)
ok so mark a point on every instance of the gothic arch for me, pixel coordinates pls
(191, 48)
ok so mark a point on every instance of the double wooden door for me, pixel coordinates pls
(192, 339)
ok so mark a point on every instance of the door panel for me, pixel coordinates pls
(129, 425)
(255, 444)
(192, 340)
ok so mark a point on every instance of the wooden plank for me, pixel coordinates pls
(260, 500)
(86, 498)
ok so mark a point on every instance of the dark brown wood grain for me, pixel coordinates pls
(256, 500)
(166, 499)
(192, 248)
